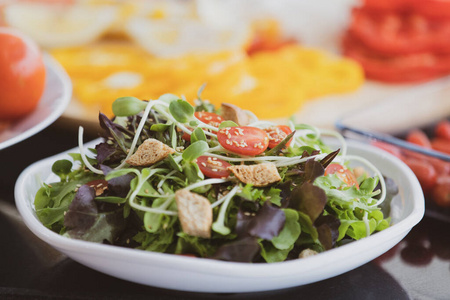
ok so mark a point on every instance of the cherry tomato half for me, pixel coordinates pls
(213, 167)
(278, 134)
(243, 140)
(418, 137)
(442, 129)
(343, 173)
(209, 118)
(22, 74)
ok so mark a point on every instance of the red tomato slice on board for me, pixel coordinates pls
(343, 173)
(418, 137)
(213, 167)
(278, 134)
(433, 8)
(442, 129)
(243, 140)
(209, 118)
(425, 173)
(399, 33)
(396, 69)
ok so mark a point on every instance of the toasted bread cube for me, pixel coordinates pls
(307, 253)
(234, 113)
(149, 152)
(195, 213)
(258, 175)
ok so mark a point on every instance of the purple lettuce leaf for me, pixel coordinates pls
(328, 230)
(308, 199)
(267, 223)
(243, 250)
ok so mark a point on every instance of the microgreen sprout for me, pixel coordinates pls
(219, 225)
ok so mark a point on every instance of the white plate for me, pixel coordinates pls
(207, 275)
(56, 97)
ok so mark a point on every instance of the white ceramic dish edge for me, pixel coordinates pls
(206, 275)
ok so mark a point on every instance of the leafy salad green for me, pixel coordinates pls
(175, 178)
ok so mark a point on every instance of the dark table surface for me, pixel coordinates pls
(417, 268)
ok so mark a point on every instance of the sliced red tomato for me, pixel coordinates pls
(433, 8)
(343, 173)
(399, 33)
(429, 8)
(425, 173)
(441, 144)
(396, 69)
(213, 167)
(442, 129)
(441, 192)
(243, 140)
(385, 5)
(418, 137)
(277, 134)
(209, 118)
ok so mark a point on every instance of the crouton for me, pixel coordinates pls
(257, 175)
(233, 113)
(307, 253)
(149, 152)
(195, 213)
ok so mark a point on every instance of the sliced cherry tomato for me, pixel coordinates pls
(441, 192)
(442, 129)
(278, 134)
(213, 167)
(425, 173)
(209, 118)
(441, 144)
(418, 137)
(22, 74)
(343, 173)
(244, 140)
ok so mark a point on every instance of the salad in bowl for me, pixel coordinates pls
(217, 183)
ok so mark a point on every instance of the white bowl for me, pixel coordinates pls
(207, 275)
(54, 100)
